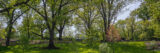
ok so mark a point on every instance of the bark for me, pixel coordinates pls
(61, 30)
(51, 43)
(51, 33)
(51, 40)
(105, 30)
(9, 27)
(104, 16)
(42, 33)
(51, 29)
(8, 35)
(60, 34)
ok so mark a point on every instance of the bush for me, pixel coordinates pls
(105, 48)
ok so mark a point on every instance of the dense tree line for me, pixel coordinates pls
(143, 23)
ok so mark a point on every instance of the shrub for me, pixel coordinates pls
(105, 48)
(113, 34)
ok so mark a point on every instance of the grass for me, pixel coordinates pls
(77, 47)
(131, 47)
(64, 48)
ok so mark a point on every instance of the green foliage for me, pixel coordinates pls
(142, 36)
(154, 12)
(93, 38)
(24, 42)
(2, 33)
(147, 25)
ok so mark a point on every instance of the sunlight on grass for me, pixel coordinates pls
(34, 52)
(89, 51)
(9, 52)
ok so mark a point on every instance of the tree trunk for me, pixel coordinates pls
(42, 34)
(51, 40)
(105, 29)
(8, 34)
(60, 34)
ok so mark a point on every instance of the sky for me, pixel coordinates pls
(128, 9)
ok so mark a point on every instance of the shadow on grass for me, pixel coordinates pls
(4, 48)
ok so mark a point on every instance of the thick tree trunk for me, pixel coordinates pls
(60, 34)
(51, 40)
(8, 35)
(51, 44)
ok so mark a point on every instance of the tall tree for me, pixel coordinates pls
(153, 6)
(61, 25)
(39, 26)
(87, 15)
(51, 10)
(121, 25)
(108, 10)
(12, 16)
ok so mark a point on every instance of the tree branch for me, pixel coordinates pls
(19, 16)
(15, 5)
(70, 11)
(35, 10)
(36, 34)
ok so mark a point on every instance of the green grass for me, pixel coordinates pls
(120, 47)
(64, 48)
(131, 47)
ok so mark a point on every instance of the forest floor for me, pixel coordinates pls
(77, 47)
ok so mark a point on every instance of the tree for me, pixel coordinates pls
(154, 13)
(27, 24)
(61, 25)
(148, 21)
(51, 14)
(87, 15)
(108, 10)
(12, 15)
(121, 26)
(39, 27)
